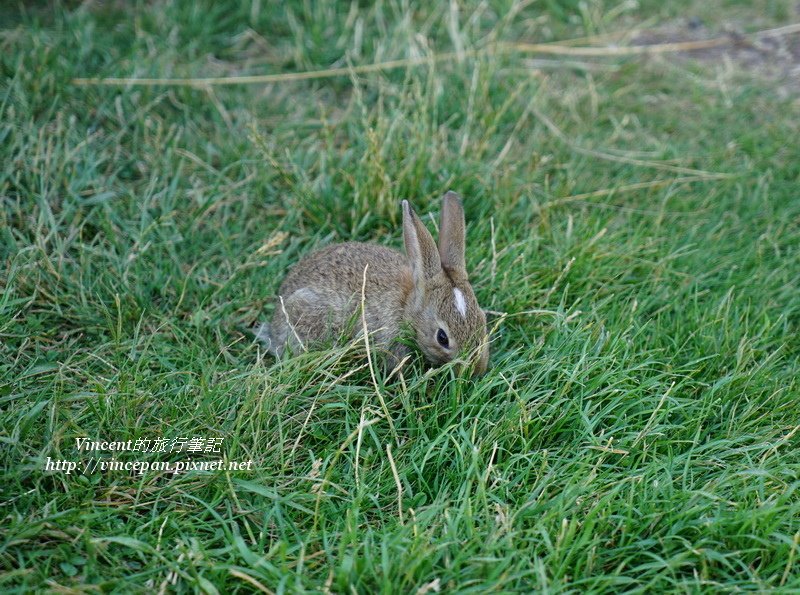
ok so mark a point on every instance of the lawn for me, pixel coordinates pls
(633, 228)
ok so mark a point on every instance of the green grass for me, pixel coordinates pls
(638, 429)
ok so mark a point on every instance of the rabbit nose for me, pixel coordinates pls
(482, 360)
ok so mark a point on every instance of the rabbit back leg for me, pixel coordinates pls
(262, 333)
(307, 315)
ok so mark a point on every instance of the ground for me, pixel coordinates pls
(633, 230)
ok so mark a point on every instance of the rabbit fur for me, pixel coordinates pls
(427, 288)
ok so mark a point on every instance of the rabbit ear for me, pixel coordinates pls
(420, 247)
(451, 233)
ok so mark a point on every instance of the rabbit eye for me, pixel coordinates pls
(442, 339)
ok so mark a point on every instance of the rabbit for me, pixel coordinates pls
(427, 288)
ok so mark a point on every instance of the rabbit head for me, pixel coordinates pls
(442, 308)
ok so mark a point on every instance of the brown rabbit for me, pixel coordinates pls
(427, 288)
